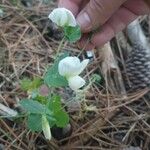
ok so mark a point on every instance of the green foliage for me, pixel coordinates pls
(35, 122)
(96, 78)
(52, 110)
(62, 118)
(25, 84)
(72, 34)
(39, 105)
(52, 78)
(36, 83)
(34, 107)
(55, 103)
(41, 99)
(51, 120)
(30, 85)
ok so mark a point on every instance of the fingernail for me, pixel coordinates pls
(84, 21)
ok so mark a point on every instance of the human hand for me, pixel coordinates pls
(108, 16)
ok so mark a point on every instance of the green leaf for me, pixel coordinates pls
(62, 118)
(25, 84)
(96, 78)
(35, 122)
(36, 83)
(35, 107)
(72, 34)
(41, 99)
(52, 78)
(29, 85)
(55, 103)
(51, 120)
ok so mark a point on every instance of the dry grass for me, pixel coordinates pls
(27, 47)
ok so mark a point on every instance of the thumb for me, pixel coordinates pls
(96, 13)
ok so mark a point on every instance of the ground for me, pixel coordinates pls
(28, 44)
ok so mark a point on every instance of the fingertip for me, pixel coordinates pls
(85, 45)
(102, 37)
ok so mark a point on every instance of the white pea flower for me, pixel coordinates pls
(62, 17)
(46, 128)
(71, 67)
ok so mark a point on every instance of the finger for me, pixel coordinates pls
(85, 43)
(139, 7)
(117, 23)
(97, 12)
(72, 5)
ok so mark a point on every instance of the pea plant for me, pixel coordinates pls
(42, 107)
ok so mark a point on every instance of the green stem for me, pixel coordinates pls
(60, 46)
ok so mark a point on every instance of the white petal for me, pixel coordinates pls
(46, 128)
(69, 66)
(56, 17)
(83, 65)
(76, 82)
(62, 17)
(71, 19)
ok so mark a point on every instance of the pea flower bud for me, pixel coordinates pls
(62, 17)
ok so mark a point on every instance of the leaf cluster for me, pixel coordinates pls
(50, 106)
(53, 110)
